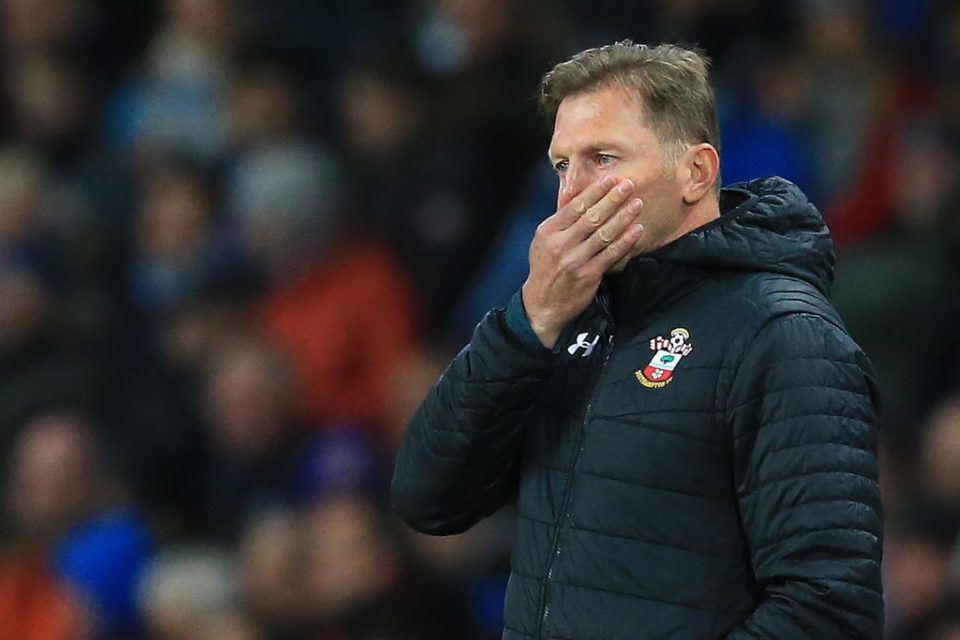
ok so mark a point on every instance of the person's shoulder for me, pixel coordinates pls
(764, 296)
(795, 322)
(785, 316)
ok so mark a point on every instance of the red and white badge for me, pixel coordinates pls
(669, 352)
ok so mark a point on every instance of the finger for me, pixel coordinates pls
(568, 214)
(599, 213)
(615, 251)
(616, 225)
(584, 249)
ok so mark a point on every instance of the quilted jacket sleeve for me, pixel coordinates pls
(802, 418)
(458, 458)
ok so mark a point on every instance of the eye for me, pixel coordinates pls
(560, 166)
(604, 159)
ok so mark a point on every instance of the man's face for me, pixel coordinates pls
(605, 132)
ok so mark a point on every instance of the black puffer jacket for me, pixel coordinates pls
(696, 459)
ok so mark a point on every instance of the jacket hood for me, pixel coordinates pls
(765, 225)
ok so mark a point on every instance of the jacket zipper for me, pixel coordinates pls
(556, 547)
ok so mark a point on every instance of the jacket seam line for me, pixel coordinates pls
(830, 443)
(633, 595)
(523, 516)
(650, 427)
(805, 532)
(821, 500)
(767, 484)
(828, 358)
(655, 411)
(790, 388)
(641, 540)
(654, 488)
(817, 414)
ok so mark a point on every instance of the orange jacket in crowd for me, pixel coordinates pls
(34, 605)
(346, 323)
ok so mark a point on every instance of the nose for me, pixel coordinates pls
(575, 179)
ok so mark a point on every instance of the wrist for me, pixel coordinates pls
(548, 336)
(546, 332)
(517, 321)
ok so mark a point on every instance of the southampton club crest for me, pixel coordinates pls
(669, 352)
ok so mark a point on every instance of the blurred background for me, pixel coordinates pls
(239, 239)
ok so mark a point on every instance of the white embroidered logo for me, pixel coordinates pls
(583, 343)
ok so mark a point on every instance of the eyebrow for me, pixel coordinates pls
(595, 147)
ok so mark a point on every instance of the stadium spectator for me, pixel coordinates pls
(66, 502)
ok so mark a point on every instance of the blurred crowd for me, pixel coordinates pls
(239, 239)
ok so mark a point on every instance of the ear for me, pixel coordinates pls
(699, 171)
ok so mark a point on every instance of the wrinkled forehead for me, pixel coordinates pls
(604, 114)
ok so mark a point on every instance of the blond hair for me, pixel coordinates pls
(671, 81)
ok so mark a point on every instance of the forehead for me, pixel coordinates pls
(606, 114)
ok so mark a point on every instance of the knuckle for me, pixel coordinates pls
(586, 275)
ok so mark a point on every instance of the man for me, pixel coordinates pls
(685, 424)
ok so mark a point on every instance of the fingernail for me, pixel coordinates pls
(638, 228)
(625, 187)
(635, 205)
(607, 182)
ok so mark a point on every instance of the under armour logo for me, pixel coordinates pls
(583, 343)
